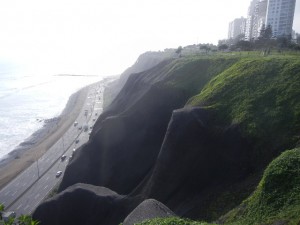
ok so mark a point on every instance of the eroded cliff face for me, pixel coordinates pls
(141, 149)
(127, 137)
(196, 160)
(144, 62)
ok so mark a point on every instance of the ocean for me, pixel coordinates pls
(27, 100)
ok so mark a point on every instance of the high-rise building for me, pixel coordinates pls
(249, 21)
(280, 15)
(277, 13)
(236, 28)
(259, 17)
(256, 19)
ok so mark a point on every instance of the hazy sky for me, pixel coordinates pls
(105, 37)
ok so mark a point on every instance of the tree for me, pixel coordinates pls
(265, 41)
(265, 32)
(298, 38)
(223, 47)
(179, 50)
(205, 47)
(244, 45)
(283, 42)
(21, 220)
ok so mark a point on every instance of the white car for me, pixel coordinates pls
(58, 173)
(63, 157)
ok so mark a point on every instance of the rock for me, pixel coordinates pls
(127, 137)
(148, 209)
(142, 149)
(84, 204)
(196, 156)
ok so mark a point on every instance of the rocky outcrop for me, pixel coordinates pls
(141, 149)
(196, 157)
(126, 139)
(84, 204)
(148, 209)
(144, 62)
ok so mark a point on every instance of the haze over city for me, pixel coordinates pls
(105, 37)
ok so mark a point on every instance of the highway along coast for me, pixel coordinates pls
(33, 185)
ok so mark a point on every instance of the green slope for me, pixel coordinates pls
(277, 197)
(276, 200)
(263, 96)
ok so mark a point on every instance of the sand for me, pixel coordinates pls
(36, 145)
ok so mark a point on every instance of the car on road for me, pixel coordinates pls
(74, 149)
(77, 140)
(63, 157)
(85, 128)
(75, 123)
(58, 173)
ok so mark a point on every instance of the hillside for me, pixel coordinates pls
(144, 62)
(195, 133)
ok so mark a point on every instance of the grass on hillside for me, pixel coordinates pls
(171, 221)
(191, 74)
(262, 95)
(277, 197)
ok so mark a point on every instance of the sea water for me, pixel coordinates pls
(26, 100)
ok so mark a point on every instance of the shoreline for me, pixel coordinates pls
(40, 141)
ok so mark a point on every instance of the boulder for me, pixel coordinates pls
(148, 209)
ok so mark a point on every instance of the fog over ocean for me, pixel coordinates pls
(26, 100)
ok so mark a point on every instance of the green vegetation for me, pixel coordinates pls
(263, 96)
(260, 94)
(191, 74)
(171, 221)
(21, 220)
(277, 197)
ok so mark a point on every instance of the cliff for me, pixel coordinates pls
(194, 133)
(144, 62)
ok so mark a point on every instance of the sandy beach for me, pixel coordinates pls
(36, 145)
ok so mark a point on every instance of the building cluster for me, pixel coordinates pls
(278, 14)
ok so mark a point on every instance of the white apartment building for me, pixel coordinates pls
(256, 18)
(236, 28)
(249, 21)
(280, 15)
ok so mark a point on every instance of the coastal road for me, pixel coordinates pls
(32, 186)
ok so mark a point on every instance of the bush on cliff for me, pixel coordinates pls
(277, 197)
(171, 221)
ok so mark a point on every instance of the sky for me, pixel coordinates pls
(105, 37)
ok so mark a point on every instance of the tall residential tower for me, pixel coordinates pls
(236, 28)
(280, 15)
(256, 19)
